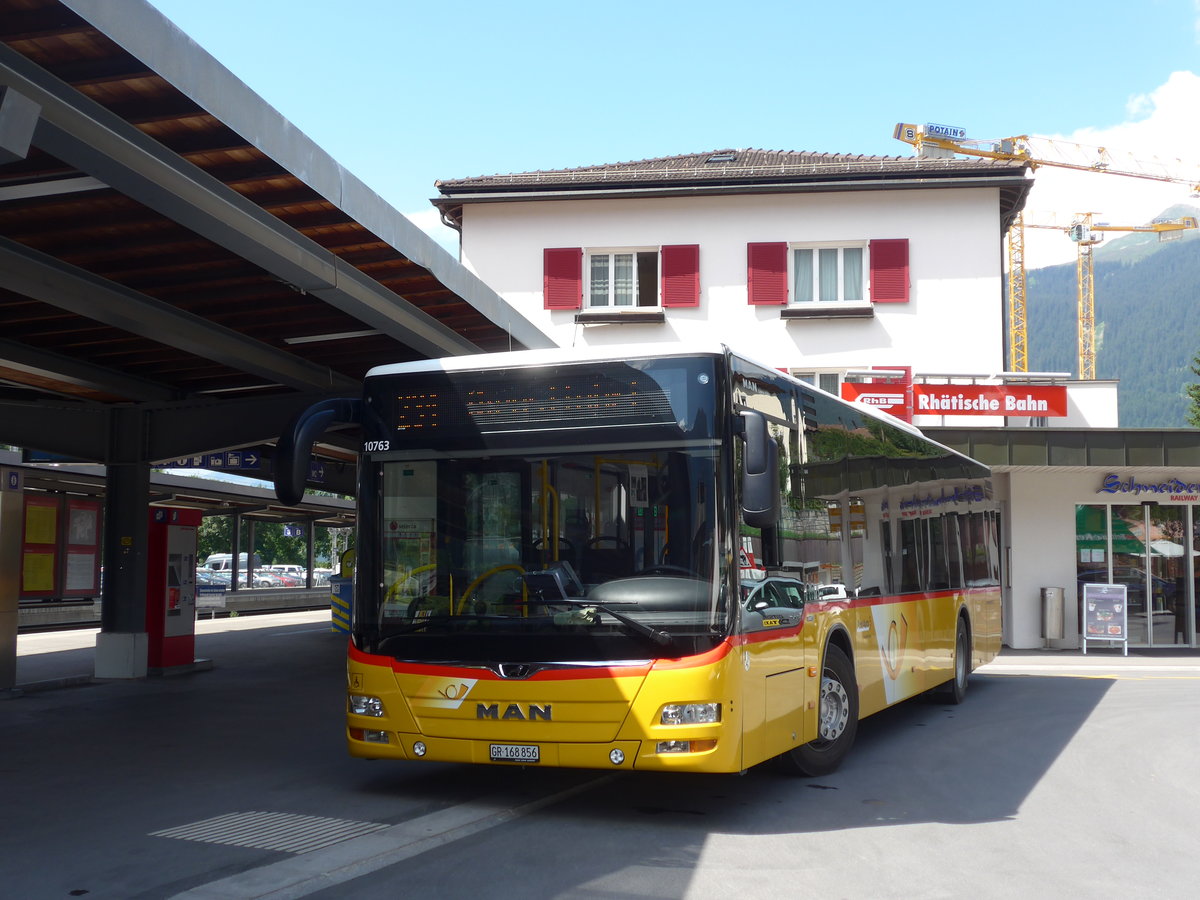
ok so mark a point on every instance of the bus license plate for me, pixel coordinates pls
(514, 753)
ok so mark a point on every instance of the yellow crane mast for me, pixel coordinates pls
(1086, 236)
(944, 140)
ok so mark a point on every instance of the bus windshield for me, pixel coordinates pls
(573, 557)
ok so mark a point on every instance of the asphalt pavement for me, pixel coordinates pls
(233, 781)
(58, 659)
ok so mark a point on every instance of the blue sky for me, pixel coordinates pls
(404, 92)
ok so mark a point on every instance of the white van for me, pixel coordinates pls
(223, 562)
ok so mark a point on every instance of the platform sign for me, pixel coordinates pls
(1105, 614)
(210, 596)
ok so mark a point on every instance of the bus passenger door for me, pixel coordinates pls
(779, 648)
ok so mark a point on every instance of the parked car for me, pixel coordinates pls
(833, 592)
(775, 593)
(208, 576)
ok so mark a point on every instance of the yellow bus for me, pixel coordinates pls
(553, 562)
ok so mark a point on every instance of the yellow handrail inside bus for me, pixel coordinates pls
(395, 588)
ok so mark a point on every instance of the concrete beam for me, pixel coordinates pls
(38, 275)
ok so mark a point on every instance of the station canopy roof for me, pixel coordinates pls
(170, 244)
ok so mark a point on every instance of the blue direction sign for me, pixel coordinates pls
(230, 459)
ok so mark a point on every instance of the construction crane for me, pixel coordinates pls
(1086, 236)
(944, 140)
(1040, 151)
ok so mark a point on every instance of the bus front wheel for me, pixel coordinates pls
(837, 719)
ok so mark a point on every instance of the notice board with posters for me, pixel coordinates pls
(1105, 615)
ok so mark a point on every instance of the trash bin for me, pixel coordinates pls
(1052, 613)
(341, 603)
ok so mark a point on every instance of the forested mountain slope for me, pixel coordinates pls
(1147, 297)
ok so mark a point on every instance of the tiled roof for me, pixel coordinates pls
(732, 167)
(738, 171)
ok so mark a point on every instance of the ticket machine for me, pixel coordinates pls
(171, 587)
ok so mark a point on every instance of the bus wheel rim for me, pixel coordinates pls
(835, 709)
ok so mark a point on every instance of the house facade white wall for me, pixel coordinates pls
(952, 322)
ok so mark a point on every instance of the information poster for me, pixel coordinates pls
(1105, 613)
(39, 550)
(82, 548)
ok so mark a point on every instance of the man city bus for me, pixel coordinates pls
(553, 562)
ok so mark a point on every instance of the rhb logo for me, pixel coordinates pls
(881, 399)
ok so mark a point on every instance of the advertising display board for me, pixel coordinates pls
(1105, 615)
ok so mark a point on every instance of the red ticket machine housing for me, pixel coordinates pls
(171, 587)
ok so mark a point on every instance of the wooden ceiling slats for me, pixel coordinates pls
(117, 238)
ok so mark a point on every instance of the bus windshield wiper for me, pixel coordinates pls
(444, 619)
(641, 629)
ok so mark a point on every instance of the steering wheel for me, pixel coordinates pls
(495, 570)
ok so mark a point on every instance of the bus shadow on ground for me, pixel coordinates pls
(918, 763)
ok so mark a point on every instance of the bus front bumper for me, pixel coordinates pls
(616, 755)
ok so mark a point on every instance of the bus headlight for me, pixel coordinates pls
(690, 714)
(365, 705)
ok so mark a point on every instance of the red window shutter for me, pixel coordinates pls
(681, 275)
(562, 278)
(766, 273)
(889, 271)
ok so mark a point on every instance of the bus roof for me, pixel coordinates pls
(558, 355)
(549, 357)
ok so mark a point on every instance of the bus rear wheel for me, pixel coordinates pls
(956, 689)
(837, 719)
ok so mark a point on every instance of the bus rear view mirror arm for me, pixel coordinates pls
(295, 446)
(760, 473)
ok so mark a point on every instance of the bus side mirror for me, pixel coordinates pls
(294, 450)
(760, 473)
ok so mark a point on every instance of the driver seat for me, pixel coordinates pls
(604, 558)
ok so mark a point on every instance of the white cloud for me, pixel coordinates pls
(430, 222)
(1161, 136)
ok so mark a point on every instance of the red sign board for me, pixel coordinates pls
(964, 399)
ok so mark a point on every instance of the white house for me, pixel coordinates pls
(834, 266)
(820, 263)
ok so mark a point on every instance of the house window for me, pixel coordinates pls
(829, 382)
(827, 280)
(622, 279)
(829, 274)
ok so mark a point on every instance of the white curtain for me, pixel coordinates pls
(852, 273)
(803, 263)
